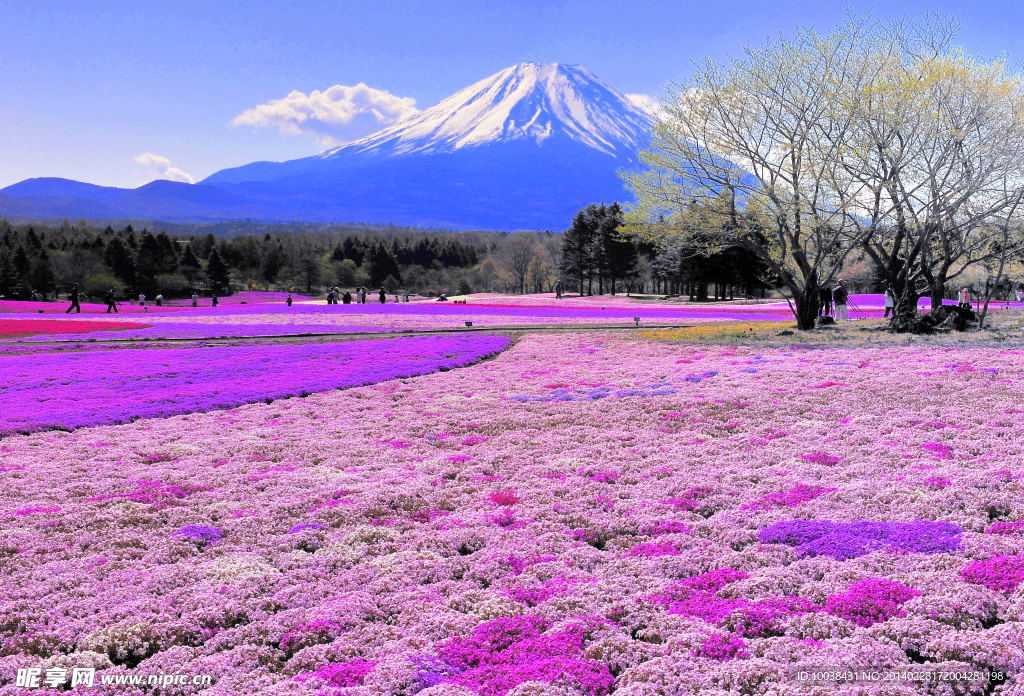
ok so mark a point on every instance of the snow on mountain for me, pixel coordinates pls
(522, 149)
(527, 101)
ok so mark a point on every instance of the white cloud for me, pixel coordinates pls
(337, 115)
(161, 168)
(646, 103)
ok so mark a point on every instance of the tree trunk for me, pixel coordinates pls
(808, 305)
(905, 312)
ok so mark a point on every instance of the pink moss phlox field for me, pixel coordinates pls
(33, 309)
(276, 319)
(270, 317)
(431, 536)
(207, 329)
(72, 390)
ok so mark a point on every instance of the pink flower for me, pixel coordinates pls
(504, 497)
(661, 548)
(823, 458)
(1000, 573)
(870, 601)
(721, 648)
(940, 450)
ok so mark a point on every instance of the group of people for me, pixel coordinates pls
(839, 298)
(336, 296)
(834, 301)
(110, 299)
(75, 297)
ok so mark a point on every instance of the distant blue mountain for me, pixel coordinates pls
(522, 149)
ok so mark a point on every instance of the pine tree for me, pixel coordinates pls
(190, 266)
(578, 243)
(7, 277)
(22, 268)
(148, 264)
(382, 265)
(168, 256)
(352, 249)
(119, 260)
(217, 272)
(273, 260)
(620, 252)
(42, 278)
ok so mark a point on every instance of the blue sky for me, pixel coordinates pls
(119, 93)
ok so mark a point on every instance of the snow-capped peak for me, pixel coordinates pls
(535, 101)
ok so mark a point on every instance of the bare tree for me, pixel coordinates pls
(517, 254)
(754, 145)
(1008, 243)
(936, 142)
(874, 138)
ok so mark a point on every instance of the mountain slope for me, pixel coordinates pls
(521, 149)
(528, 101)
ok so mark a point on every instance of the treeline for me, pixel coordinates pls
(597, 256)
(40, 261)
(46, 260)
(591, 257)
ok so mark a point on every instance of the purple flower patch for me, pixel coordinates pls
(199, 533)
(845, 540)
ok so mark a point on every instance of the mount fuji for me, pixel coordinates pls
(522, 149)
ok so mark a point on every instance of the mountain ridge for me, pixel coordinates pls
(521, 149)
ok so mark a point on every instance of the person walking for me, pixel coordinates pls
(362, 295)
(382, 296)
(825, 299)
(289, 300)
(73, 296)
(214, 301)
(965, 298)
(111, 298)
(890, 302)
(558, 289)
(839, 297)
